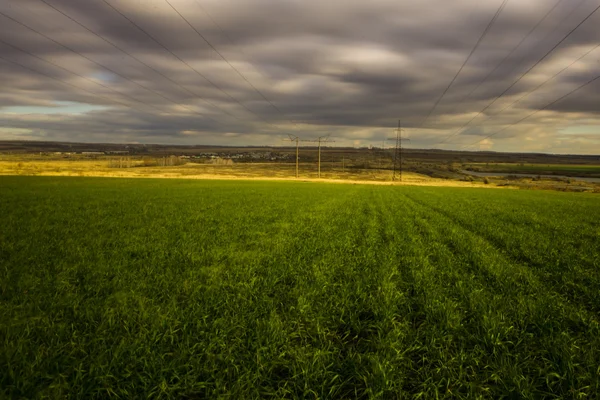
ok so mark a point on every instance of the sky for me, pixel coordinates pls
(514, 75)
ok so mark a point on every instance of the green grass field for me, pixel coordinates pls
(125, 288)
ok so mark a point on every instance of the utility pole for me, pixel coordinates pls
(398, 152)
(319, 140)
(319, 158)
(297, 140)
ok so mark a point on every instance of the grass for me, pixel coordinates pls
(552, 169)
(211, 289)
(104, 167)
(30, 165)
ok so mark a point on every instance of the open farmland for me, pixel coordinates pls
(585, 170)
(129, 288)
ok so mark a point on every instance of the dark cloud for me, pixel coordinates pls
(350, 68)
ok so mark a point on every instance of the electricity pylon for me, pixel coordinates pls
(398, 152)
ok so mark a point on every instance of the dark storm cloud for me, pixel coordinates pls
(349, 68)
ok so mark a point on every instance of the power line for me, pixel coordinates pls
(502, 62)
(101, 65)
(226, 60)
(536, 111)
(458, 131)
(70, 84)
(76, 74)
(231, 41)
(133, 57)
(549, 79)
(483, 35)
(183, 61)
(538, 62)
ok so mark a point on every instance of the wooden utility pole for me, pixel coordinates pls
(297, 140)
(396, 153)
(319, 167)
(319, 140)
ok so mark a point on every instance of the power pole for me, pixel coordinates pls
(319, 176)
(382, 158)
(319, 140)
(398, 152)
(297, 140)
(323, 139)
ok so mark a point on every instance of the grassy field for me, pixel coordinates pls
(46, 166)
(588, 170)
(129, 288)
(30, 165)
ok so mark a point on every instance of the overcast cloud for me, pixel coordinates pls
(347, 68)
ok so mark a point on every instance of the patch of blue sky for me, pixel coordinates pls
(59, 107)
(104, 76)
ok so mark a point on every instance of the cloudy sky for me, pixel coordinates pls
(247, 72)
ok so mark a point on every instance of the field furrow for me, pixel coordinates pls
(512, 306)
(571, 270)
